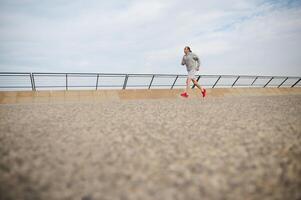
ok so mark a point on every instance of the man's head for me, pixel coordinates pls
(187, 50)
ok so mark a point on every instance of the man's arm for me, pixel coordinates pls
(196, 58)
(183, 61)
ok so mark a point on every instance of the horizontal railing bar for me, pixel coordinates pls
(140, 74)
(253, 76)
(50, 74)
(147, 85)
(15, 86)
(69, 86)
(14, 72)
(25, 75)
(105, 86)
(248, 76)
(52, 86)
(133, 85)
(79, 75)
(248, 85)
(121, 74)
(261, 85)
(58, 73)
(273, 85)
(95, 73)
(172, 75)
(236, 85)
(287, 84)
(62, 75)
(265, 77)
(105, 74)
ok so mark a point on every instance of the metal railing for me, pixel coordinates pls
(96, 81)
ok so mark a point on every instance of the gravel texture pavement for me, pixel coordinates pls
(165, 149)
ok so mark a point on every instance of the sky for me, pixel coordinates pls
(245, 37)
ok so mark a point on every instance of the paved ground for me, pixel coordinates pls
(223, 148)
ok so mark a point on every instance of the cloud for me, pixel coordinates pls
(233, 36)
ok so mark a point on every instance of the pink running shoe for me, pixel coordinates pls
(184, 94)
(204, 92)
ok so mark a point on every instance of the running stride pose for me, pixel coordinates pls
(192, 63)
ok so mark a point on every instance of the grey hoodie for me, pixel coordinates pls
(192, 61)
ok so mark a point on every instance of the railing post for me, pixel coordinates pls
(125, 81)
(97, 82)
(254, 80)
(30, 76)
(216, 81)
(268, 82)
(282, 82)
(32, 82)
(296, 83)
(235, 81)
(151, 82)
(66, 81)
(197, 80)
(174, 81)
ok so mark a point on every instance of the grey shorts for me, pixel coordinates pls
(191, 74)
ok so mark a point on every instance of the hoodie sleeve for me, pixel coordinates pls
(183, 61)
(196, 58)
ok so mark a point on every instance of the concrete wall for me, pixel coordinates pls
(13, 97)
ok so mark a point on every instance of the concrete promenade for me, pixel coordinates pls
(131, 94)
(236, 144)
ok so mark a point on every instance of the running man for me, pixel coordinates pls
(192, 63)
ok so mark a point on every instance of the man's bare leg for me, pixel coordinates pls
(198, 85)
(187, 84)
